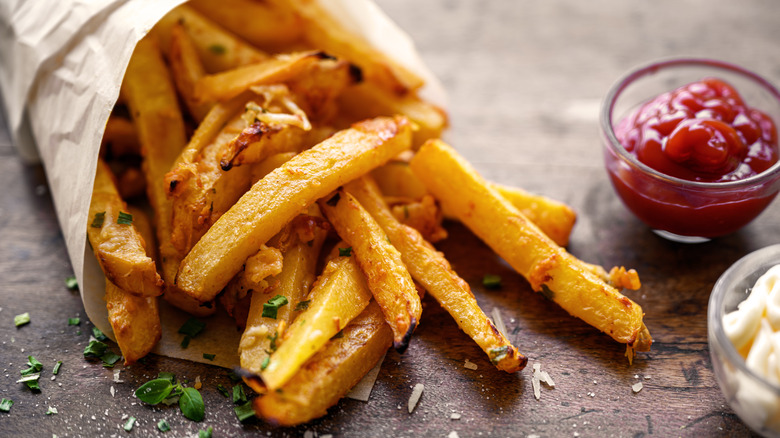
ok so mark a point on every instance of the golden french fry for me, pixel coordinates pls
(369, 100)
(218, 48)
(263, 168)
(118, 246)
(119, 138)
(323, 31)
(187, 69)
(338, 296)
(229, 84)
(134, 319)
(282, 194)
(548, 268)
(423, 215)
(396, 179)
(259, 141)
(554, 218)
(329, 375)
(153, 104)
(256, 277)
(429, 268)
(386, 274)
(258, 22)
(295, 280)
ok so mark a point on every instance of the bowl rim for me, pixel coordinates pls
(608, 104)
(715, 311)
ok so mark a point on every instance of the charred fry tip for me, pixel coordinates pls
(252, 380)
(323, 55)
(403, 344)
(225, 165)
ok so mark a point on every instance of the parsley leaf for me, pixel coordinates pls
(163, 426)
(74, 321)
(98, 334)
(154, 391)
(222, 390)
(239, 396)
(20, 320)
(302, 305)
(244, 411)
(95, 349)
(205, 433)
(129, 424)
(56, 367)
(191, 404)
(5, 405)
(209, 356)
(192, 327)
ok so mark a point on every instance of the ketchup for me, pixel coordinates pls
(701, 132)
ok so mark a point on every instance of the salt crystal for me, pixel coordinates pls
(637, 387)
(415, 397)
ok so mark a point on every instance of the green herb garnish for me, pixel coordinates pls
(302, 305)
(95, 349)
(71, 283)
(264, 364)
(239, 396)
(209, 356)
(154, 391)
(191, 404)
(273, 339)
(109, 358)
(244, 411)
(491, 281)
(98, 334)
(192, 327)
(56, 367)
(129, 424)
(168, 376)
(271, 308)
(222, 390)
(20, 320)
(185, 342)
(51, 410)
(205, 433)
(31, 381)
(74, 321)
(5, 405)
(498, 353)
(97, 221)
(163, 426)
(124, 218)
(217, 49)
(345, 252)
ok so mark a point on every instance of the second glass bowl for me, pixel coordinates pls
(675, 208)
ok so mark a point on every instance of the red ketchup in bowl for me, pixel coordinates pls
(702, 132)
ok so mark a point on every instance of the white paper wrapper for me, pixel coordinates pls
(61, 67)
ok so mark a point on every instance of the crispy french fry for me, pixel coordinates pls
(548, 268)
(134, 319)
(329, 375)
(231, 83)
(324, 31)
(295, 280)
(338, 296)
(277, 198)
(386, 274)
(280, 27)
(259, 141)
(263, 168)
(118, 246)
(154, 107)
(554, 218)
(368, 100)
(187, 69)
(218, 48)
(429, 268)
(257, 276)
(424, 216)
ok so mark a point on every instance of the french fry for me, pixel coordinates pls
(282, 194)
(118, 246)
(259, 141)
(429, 268)
(554, 218)
(134, 319)
(279, 28)
(423, 215)
(329, 375)
(338, 296)
(231, 83)
(119, 138)
(218, 48)
(263, 168)
(322, 30)
(257, 276)
(368, 100)
(387, 276)
(151, 98)
(295, 281)
(187, 69)
(548, 268)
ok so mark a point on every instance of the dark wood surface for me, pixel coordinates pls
(525, 79)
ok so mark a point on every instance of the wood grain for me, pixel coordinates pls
(525, 80)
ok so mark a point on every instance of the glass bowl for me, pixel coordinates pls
(681, 210)
(755, 400)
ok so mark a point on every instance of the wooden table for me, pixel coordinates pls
(525, 79)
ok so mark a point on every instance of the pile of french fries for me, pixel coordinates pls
(296, 180)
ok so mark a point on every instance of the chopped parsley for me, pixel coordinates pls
(154, 391)
(185, 342)
(163, 426)
(217, 49)
(31, 381)
(31, 375)
(271, 308)
(192, 327)
(302, 305)
(98, 334)
(74, 321)
(491, 281)
(209, 356)
(205, 433)
(5, 405)
(20, 320)
(57, 366)
(124, 218)
(345, 252)
(95, 349)
(191, 404)
(239, 396)
(264, 364)
(71, 283)
(222, 390)
(273, 339)
(244, 411)
(129, 424)
(498, 353)
(110, 358)
(168, 376)
(97, 221)
(51, 410)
